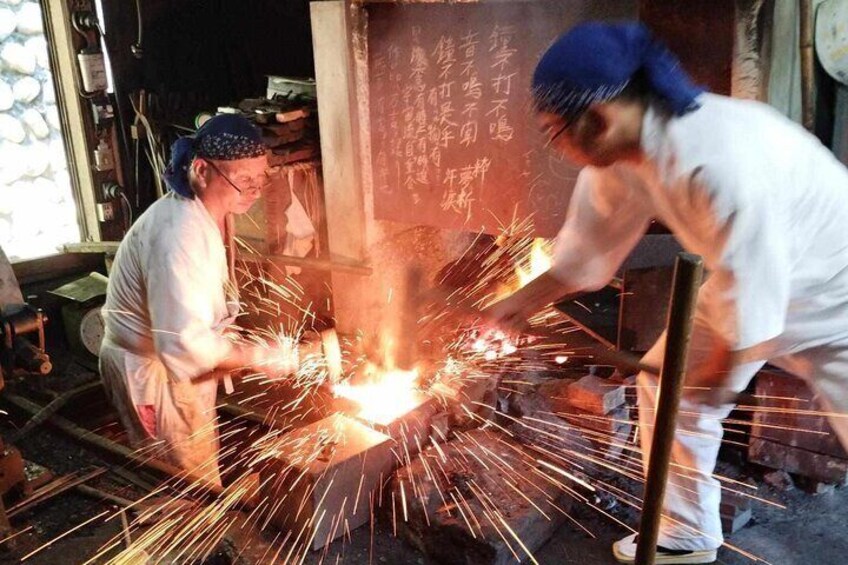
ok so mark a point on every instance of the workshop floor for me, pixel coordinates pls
(812, 527)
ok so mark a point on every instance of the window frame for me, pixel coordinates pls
(66, 80)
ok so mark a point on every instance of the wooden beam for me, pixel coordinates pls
(56, 266)
(337, 264)
(110, 247)
(808, 64)
(95, 440)
(337, 118)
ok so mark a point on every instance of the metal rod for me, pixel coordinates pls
(103, 495)
(53, 489)
(101, 442)
(54, 406)
(255, 415)
(336, 265)
(808, 64)
(688, 271)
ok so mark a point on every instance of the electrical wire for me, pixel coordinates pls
(128, 216)
(76, 21)
(136, 47)
(119, 113)
(153, 151)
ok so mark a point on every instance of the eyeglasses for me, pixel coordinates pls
(251, 189)
(558, 132)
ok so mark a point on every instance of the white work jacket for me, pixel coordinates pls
(757, 196)
(167, 301)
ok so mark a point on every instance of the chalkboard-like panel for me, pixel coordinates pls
(454, 143)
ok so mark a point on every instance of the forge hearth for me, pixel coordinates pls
(411, 430)
(324, 476)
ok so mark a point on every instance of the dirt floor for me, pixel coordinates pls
(812, 528)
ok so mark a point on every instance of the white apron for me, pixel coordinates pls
(166, 311)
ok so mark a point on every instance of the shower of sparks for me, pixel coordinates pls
(548, 461)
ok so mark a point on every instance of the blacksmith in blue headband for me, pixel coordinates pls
(758, 197)
(596, 63)
(226, 137)
(169, 310)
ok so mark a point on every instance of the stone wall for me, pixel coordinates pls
(37, 210)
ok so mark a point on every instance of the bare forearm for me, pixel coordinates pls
(546, 289)
(243, 356)
(515, 309)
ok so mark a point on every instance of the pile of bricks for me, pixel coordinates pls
(786, 433)
(598, 407)
(290, 130)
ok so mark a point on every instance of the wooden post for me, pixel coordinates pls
(808, 64)
(688, 271)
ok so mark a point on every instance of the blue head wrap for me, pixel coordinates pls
(225, 137)
(594, 62)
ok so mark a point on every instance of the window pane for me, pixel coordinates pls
(37, 210)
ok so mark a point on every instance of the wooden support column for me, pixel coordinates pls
(338, 122)
(808, 65)
(688, 272)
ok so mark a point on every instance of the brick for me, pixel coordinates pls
(732, 524)
(823, 468)
(284, 117)
(595, 395)
(630, 393)
(317, 488)
(608, 424)
(533, 400)
(619, 442)
(733, 504)
(809, 432)
(780, 479)
(480, 486)
(812, 486)
(476, 393)
(735, 511)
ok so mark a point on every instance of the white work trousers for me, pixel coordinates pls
(691, 519)
(186, 432)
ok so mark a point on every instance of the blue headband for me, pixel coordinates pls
(225, 137)
(594, 62)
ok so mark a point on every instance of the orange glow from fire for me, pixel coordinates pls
(537, 263)
(386, 395)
